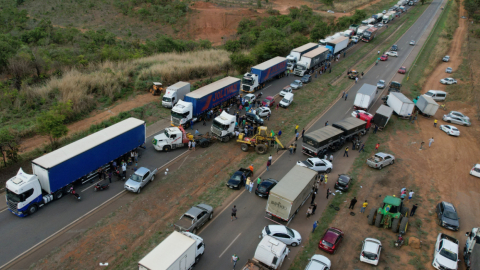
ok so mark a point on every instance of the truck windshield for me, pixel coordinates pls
(300, 67)
(247, 81)
(15, 197)
(136, 178)
(167, 99)
(220, 125)
(179, 115)
(366, 34)
(448, 254)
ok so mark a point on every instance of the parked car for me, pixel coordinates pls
(450, 130)
(447, 216)
(392, 53)
(384, 12)
(284, 234)
(448, 70)
(412, 42)
(253, 118)
(268, 101)
(265, 186)
(475, 171)
(445, 254)
(451, 118)
(343, 182)
(139, 179)
(297, 84)
(331, 240)
(356, 112)
(235, 181)
(402, 70)
(249, 98)
(448, 81)
(371, 250)
(394, 47)
(317, 164)
(194, 218)
(263, 111)
(446, 58)
(319, 262)
(330, 11)
(285, 90)
(306, 78)
(380, 160)
(384, 57)
(381, 84)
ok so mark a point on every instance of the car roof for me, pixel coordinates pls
(249, 95)
(194, 211)
(277, 228)
(344, 176)
(331, 235)
(371, 245)
(381, 154)
(141, 171)
(315, 159)
(449, 206)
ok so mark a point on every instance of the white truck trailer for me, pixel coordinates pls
(297, 53)
(365, 97)
(174, 93)
(400, 104)
(311, 60)
(426, 105)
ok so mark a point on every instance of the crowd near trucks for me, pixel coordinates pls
(311, 60)
(297, 53)
(260, 74)
(174, 93)
(55, 173)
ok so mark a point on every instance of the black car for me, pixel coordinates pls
(253, 118)
(235, 182)
(343, 182)
(447, 216)
(265, 186)
(306, 78)
(394, 47)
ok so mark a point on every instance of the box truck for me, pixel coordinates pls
(55, 173)
(354, 27)
(311, 60)
(365, 97)
(290, 194)
(262, 73)
(382, 115)
(174, 93)
(388, 16)
(269, 255)
(297, 53)
(179, 251)
(426, 105)
(199, 102)
(400, 104)
(369, 34)
(337, 45)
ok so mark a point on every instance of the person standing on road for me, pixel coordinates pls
(314, 207)
(268, 163)
(343, 94)
(435, 123)
(309, 212)
(356, 80)
(346, 151)
(352, 203)
(191, 124)
(364, 206)
(346, 95)
(361, 148)
(326, 123)
(377, 146)
(326, 179)
(110, 176)
(234, 212)
(124, 170)
(296, 136)
(362, 74)
(189, 145)
(430, 142)
(410, 194)
(375, 129)
(315, 224)
(328, 192)
(234, 260)
(259, 181)
(251, 186)
(247, 184)
(331, 158)
(303, 132)
(414, 208)
(193, 145)
(314, 194)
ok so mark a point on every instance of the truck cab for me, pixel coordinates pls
(170, 138)
(223, 127)
(24, 194)
(291, 61)
(182, 113)
(271, 252)
(249, 82)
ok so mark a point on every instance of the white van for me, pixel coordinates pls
(287, 100)
(437, 95)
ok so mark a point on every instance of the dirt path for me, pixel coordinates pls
(95, 118)
(350, 13)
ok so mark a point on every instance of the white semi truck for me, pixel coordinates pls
(223, 127)
(311, 60)
(297, 53)
(174, 93)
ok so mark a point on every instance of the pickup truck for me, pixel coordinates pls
(194, 218)
(235, 181)
(139, 179)
(445, 255)
(380, 160)
(317, 164)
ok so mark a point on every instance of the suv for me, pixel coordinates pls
(394, 47)
(447, 216)
(253, 118)
(392, 214)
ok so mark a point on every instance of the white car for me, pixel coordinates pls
(448, 81)
(286, 89)
(461, 115)
(445, 255)
(319, 262)
(263, 111)
(448, 70)
(384, 12)
(475, 170)
(392, 53)
(412, 42)
(371, 251)
(316, 164)
(250, 98)
(283, 234)
(450, 130)
(355, 113)
(330, 11)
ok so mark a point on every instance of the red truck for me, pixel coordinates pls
(365, 117)
(369, 34)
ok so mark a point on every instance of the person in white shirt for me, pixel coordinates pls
(410, 194)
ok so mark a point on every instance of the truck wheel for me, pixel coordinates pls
(244, 147)
(378, 220)
(261, 149)
(197, 259)
(211, 216)
(194, 231)
(166, 148)
(186, 125)
(395, 225)
(205, 144)
(67, 188)
(328, 170)
(153, 177)
(58, 194)
(403, 225)
(32, 209)
(371, 216)
(226, 139)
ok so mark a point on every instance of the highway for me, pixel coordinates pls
(223, 237)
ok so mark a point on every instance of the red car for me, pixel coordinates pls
(402, 70)
(384, 57)
(330, 240)
(268, 101)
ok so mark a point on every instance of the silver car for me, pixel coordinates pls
(461, 115)
(381, 84)
(297, 84)
(451, 118)
(448, 81)
(449, 70)
(139, 179)
(380, 160)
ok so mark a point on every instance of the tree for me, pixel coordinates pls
(471, 6)
(319, 31)
(52, 122)
(8, 145)
(19, 67)
(241, 61)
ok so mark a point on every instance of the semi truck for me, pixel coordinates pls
(365, 97)
(223, 127)
(290, 194)
(262, 73)
(55, 173)
(382, 115)
(361, 30)
(269, 255)
(297, 53)
(179, 251)
(174, 93)
(176, 137)
(199, 102)
(379, 17)
(471, 251)
(337, 45)
(318, 142)
(311, 60)
(369, 34)
(426, 105)
(387, 17)
(354, 27)
(400, 104)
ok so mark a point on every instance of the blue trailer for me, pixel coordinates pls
(56, 172)
(261, 73)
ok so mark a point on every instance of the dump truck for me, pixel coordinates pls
(262, 73)
(260, 141)
(199, 102)
(174, 93)
(311, 60)
(392, 214)
(382, 115)
(365, 97)
(297, 53)
(400, 104)
(471, 251)
(337, 45)
(426, 105)
(370, 34)
(290, 194)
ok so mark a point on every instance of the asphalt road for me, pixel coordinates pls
(224, 237)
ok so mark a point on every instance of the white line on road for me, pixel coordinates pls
(230, 245)
(183, 162)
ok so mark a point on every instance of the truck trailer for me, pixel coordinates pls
(297, 53)
(337, 45)
(311, 60)
(369, 34)
(200, 101)
(262, 73)
(55, 173)
(382, 115)
(400, 104)
(290, 194)
(365, 97)
(388, 17)
(426, 105)
(174, 93)
(269, 255)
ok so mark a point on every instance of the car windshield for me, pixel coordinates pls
(448, 254)
(247, 81)
(369, 255)
(429, 94)
(305, 77)
(477, 169)
(294, 84)
(328, 244)
(220, 125)
(381, 82)
(300, 67)
(263, 186)
(285, 100)
(136, 178)
(290, 232)
(266, 101)
(450, 215)
(236, 178)
(167, 99)
(454, 129)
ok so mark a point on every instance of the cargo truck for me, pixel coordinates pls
(262, 73)
(400, 104)
(471, 251)
(382, 115)
(379, 17)
(290, 194)
(223, 127)
(369, 21)
(337, 45)
(369, 34)
(199, 102)
(297, 53)
(361, 30)
(179, 251)
(311, 60)
(323, 42)
(348, 33)
(174, 93)
(55, 173)
(354, 27)
(365, 97)
(426, 105)
(269, 255)
(388, 17)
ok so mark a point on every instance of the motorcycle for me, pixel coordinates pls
(74, 193)
(100, 187)
(399, 241)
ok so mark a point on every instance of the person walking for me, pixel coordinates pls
(314, 207)
(328, 192)
(346, 151)
(364, 206)
(430, 142)
(247, 184)
(268, 164)
(356, 80)
(331, 158)
(435, 123)
(294, 148)
(193, 145)
(314, 194)
(110, 176)
(361, 148)
(309, 212)
(315, 224)
(234, 212)
(375, 129)
(414, 208)
(124, 170)
(410, 194)
(251, 186)
(251, 168)
(296, 136)
(234, 260)
(362, 74)
(259, 181)
(377, 146)
(352, 203)
(346, 95)
(421, 145)
(303, 132)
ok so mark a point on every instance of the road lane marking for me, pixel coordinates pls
(230, 245)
